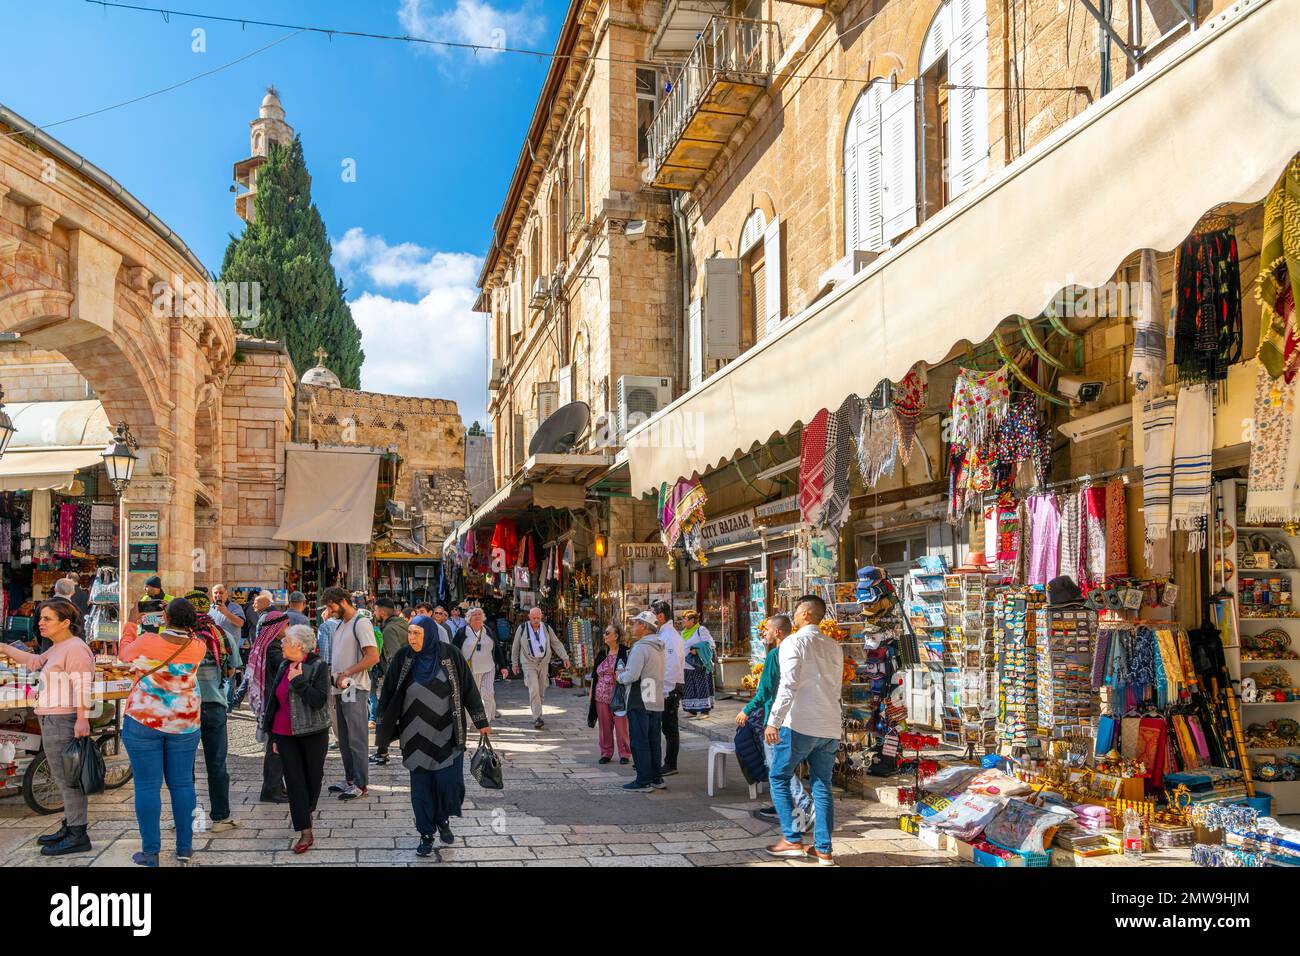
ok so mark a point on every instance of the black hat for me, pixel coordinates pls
(1063, 592)
(153, 582)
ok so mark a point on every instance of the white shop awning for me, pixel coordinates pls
(46, 469)
(1215, 121)
(329, 494)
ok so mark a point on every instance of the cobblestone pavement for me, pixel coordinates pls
(559, 808)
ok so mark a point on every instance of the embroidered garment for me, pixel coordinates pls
(1071, 537)
(1207, 325)
(1157, 468)
(1023, 437)
(1044, 539)
(1092, 510)
(81, 529)
(910, 396)
(980, 400)
(1116, 529)
(1271, 496)
(1009, 536)
(681, 508)
(1193, 442)
(812, 468)
(1278, 285)
(1147, 370)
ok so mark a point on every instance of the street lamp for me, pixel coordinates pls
(119, 461)
(6, 426)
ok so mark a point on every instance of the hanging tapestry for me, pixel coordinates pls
(1157, 468)
(812, 468)
(1189, 506)
(1278, 285)
(1147, 370)
(980, 401)
(681, 510)
(1274, 453)
(1044, 539)
(1092, 510)
(1116, 529)
(1022, 436)
(101, 529)
(1207, 325)
(878, 444)
(1071, 537)
(910, 396)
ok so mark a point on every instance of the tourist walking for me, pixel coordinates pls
(674, 682)
(804, 724)
(161, 729)
(220, 661)
(424, 706)
(354, 650)
(643, 675)
(63, 705)
(611, 656)
(697, 698)
(297, 716)
(534, 646)
(479, 648)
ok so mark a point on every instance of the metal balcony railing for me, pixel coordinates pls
(729, 48)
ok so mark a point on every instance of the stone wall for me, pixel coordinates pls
(35, 375)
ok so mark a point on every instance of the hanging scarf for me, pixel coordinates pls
(427, 662)
(980, 401)
(1044, 539)
(1278, 285)
(1023, 437)
(812, 468)
(1142, 667)
(1092, 509)
(1071, 537)
(1100, 655)
(1207, 325)
(1147, 370)
(1157, 468)
(909, 402)
(878, 444)
(839, 452)
(1193, 443)
(681, 508)
(208, 632)
(1116, 529)
(1271, 496)
(505, 542)
(1010, 527)
(271, 626)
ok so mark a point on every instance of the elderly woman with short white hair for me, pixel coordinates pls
(298, 721)
(479, 648)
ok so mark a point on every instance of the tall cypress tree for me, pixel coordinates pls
(286, 249)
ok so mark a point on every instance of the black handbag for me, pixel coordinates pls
(83, 766)
(485, 765)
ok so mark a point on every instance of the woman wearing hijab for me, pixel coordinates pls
(697, 700)
(429, 681)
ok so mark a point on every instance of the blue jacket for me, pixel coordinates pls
(749, 749)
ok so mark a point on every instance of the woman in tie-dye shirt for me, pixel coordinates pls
(161, 731)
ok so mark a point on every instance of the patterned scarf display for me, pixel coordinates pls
(1193, 443)
(681, 510)
(1278, 285)
(1157, 468)
(1071, 537)
(812, 468)
(1022, 436)
(1271, 496)
(910, 396)
(101, 529)
(878, 444)
(1116, 529)
(980, 400)
(1010, 529)
(1207, 326)
(1147, 370)
(1092, 509)
(839, 452)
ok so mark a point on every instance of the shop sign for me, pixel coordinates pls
(143, 525)
(780, 507)
(642, 552)
(728, 530)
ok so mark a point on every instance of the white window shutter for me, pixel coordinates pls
(968, 122)
(548, 400)
(566, 385)
(851, 190)
(966, 14)
(938, 37)
(695, 346)
(898, 161)
(870, 172)
(772, 276)
(721, 308)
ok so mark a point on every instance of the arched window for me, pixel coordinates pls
(954, 100)
(863, 223)
(760, 277)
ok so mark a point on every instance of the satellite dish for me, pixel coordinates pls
(560, 431)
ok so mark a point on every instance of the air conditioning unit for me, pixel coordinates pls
(496, 375)
(846, 269)
(541, 292)
(1091, 426)
(637, 397)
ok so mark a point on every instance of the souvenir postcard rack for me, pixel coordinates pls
(1067, 706)
(970, 696)
(1016, 626)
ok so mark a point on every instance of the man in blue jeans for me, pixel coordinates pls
(643, 676)
(804, 726)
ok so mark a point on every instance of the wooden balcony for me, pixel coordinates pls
(723, 76)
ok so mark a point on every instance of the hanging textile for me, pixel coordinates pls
(1157, 468)
(356, 566)
(990, 521)
(1278, 285)
(878, 444)
(839, 452)
(1271, 496)
(980, 400)
(1092, 511)
(681, 511)
(1193, 443)
(1147, 370)
(1044, 539)
(1207, 325)
(1116, 529)
(41, 506)
(81, 529)
(812, 468)
(1071, 537)
(1022, 436)
(505, 543)
(67, 521)
(1010, 528)
(910, 396)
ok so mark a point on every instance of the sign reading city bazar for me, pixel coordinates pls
(727, 530)
(642, 552)
(143, 534)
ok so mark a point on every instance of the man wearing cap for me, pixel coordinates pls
(644, 677)
(153, 602)
(534, 647)
(297, 611)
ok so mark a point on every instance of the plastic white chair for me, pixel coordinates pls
(718, 769)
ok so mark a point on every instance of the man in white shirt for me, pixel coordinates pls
(804, 725)
(534, 646)
(674, 682)
(479, 648)
(353, 652)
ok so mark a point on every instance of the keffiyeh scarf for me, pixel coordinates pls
(812, 468)
(839, 452)
(1193, 443)
(1271, 496)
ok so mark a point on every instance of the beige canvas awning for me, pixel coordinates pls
(46, 469)
(1215, 121)
(329, 495)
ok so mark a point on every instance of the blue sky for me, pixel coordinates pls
(434, 135)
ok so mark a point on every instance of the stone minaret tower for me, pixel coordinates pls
(268, 128)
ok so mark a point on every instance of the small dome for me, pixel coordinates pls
(271, 108)
(320, 375)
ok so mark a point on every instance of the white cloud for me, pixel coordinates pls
(433, 346)
(474, 22)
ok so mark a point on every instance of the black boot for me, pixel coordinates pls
(49, 838)
(76, 841)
